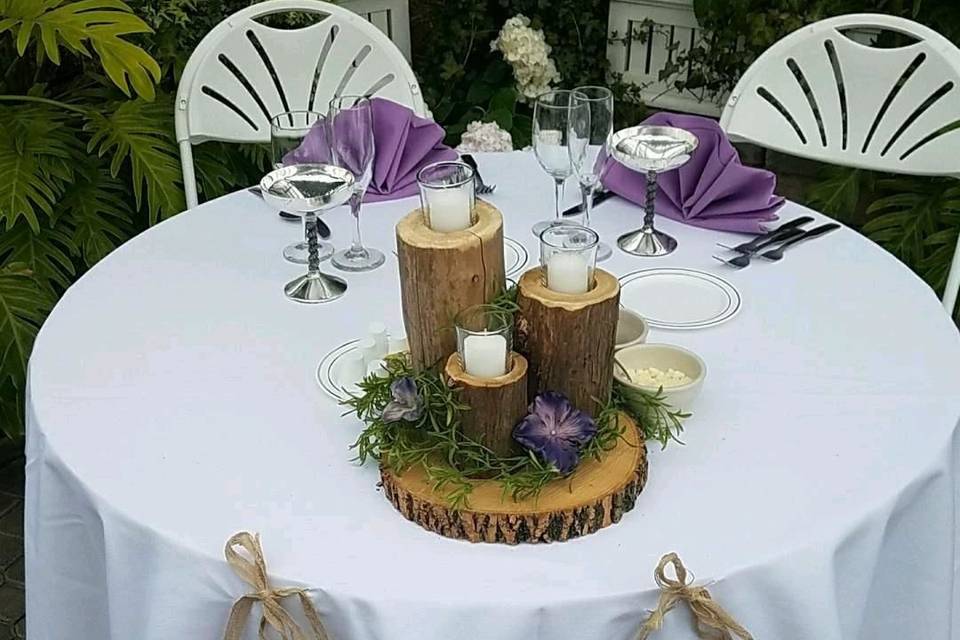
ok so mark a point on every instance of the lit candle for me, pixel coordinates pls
(449, 209)
(485, 356)
(568, 273)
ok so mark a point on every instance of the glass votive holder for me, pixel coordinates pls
(568, 254)
(447, 195)
(484, 340)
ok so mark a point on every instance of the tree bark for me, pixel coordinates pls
(569, 339)
(444, 273)
(496, 404)
(595, 496)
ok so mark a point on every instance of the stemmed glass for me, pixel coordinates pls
(551, 115)
(288, 130)
(591, 123)
(350, 132)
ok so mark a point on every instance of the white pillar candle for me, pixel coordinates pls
(376, 368)
(368, 347)
(485, 356)
(378, 333)
(568, 273)
(449, 209)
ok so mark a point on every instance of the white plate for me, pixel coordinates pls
(679, 298)
(515, 256)
(328, 369)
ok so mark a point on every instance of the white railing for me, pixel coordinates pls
(670, 29)
(390, 16)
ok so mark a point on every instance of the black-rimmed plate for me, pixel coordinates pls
(676, 298)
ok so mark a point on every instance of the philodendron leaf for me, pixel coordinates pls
(23, 306)
(137, 133)
(79, 27)
(47, 253)
(99, 216)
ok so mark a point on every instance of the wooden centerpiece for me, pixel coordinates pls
(442, 273)
(596, 495)
(568, 338)
(496, 404)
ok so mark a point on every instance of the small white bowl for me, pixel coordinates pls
(663, 357)
(631, 329)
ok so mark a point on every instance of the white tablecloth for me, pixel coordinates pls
(173, 403)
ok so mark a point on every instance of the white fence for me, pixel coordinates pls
(674, 22)
(390, 16)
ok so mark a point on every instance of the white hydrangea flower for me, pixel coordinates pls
(485, 136)
(527, 51)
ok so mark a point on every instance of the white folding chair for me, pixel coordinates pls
(819, 94)
(243, 73)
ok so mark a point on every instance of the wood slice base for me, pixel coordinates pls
(595, 496)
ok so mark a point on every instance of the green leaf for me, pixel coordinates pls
(46, 253)
(101, 24)
(98, 215)
(38, 150)
(502, 117)
(505, 99)
(480, 93)
(137, 135)
(23, 306)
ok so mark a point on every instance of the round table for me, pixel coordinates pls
(172, 402)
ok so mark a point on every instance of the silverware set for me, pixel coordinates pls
(771, 245)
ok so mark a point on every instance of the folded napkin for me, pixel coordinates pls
(712, 190)
(404, 142)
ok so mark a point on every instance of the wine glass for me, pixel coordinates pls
(551, 114)
(591, 123)
(288, 130)
(350, 132)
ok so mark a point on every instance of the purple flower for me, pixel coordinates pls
(556, 430)
(406, 404)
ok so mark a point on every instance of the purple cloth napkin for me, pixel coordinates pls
(712, 190)
(405, 142)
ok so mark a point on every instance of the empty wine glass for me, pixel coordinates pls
(288, 131)
(551, 114)
(350, 132)
(591, 123)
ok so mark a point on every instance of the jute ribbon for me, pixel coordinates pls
(713, 623)
(253, 570)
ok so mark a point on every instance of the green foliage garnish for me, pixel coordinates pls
(450, 459)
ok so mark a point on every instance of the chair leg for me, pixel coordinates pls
(189, 175)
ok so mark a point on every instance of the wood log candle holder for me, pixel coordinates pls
(595, 496)
(444, 273)
(496, 404)
(568, 338)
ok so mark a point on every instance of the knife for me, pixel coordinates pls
(598, 197)
(753, 245)
(322, 227)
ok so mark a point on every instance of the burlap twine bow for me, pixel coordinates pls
(713, 623)
(253, 570)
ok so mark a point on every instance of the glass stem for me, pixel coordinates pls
(586, 193)
(558, 196)
(356, 247)
(651, 199)
(313, 244)
(303, 223)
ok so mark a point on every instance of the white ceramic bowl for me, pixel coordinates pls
(663, 357)
(631, 329)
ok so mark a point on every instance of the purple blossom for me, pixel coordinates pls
(555, 430)
(406, 404)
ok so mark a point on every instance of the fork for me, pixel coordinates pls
(777, 254)
(743, 260)
(482, 187)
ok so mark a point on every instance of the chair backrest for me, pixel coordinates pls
(820, 94)
(244, 72)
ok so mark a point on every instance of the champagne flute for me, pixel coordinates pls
(288, 130)
(591, 123)
(551, 114)
(350, 132)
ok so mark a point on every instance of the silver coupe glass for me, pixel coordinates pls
(306, 189)
(651, 150)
